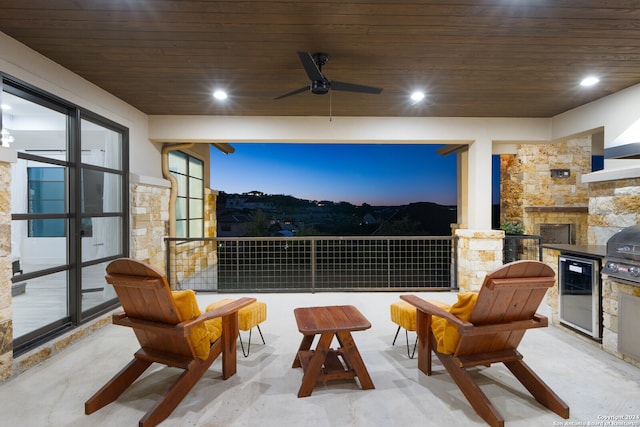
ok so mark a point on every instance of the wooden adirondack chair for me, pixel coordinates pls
(156, 315)
(504, 309)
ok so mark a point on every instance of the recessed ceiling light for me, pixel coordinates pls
(589, 81)
(220, 95)
(5, 107)
(417, 96)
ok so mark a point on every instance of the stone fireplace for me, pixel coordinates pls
(558, 233)
(533, 194)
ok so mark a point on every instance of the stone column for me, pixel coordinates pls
(550, 257)
(6, 322)
(479, 252)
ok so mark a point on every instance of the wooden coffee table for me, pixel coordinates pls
(325, 363)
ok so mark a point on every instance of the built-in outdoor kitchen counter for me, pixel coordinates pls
(579, 292)
(591, 303)
(590, 251)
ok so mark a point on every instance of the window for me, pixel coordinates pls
(189, 172)
(46, 190)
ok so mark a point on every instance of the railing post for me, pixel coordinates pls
(388, 263)
(168, 256)
(539, 248)
(314, 265)
(237, 245)
(454, 262)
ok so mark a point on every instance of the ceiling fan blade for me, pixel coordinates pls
(310, 66)
(293, 92)
(352, 87)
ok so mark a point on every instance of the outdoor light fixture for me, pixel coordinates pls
(6, 138)
(417, 96)
(220, 95)
(589, 81)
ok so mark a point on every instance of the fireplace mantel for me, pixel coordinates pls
(554, 209)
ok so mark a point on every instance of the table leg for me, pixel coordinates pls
(305, 345)
(354, 360)
(314, 369)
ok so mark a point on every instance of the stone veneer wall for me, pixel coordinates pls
(611, 291)
(479, 252)
(550, 257)
(613, 205)
(149, 223)
(511, 189)
(529, 193)
(6, 322)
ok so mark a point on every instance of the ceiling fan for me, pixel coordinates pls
(321, 85)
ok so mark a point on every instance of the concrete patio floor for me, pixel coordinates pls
(598, 387)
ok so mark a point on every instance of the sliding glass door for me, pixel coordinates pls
(68, 210)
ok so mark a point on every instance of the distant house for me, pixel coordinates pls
(369, 219)
(234, 202)
(233, 224)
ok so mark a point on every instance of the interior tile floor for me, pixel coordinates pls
(597, 386)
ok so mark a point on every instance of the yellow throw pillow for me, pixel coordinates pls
(445, 333)
(188, 310)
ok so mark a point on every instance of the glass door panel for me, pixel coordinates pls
(40, 215)
(101, 210)
(68, 210)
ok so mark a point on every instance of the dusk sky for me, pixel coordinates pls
(377, 174)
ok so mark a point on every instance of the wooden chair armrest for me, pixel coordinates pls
(538, 321)
(121, 319)
(432, 309)
(182, 328)
(221, 311)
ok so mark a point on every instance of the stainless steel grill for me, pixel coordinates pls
(622, 261)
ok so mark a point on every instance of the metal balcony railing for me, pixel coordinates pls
(312, 264)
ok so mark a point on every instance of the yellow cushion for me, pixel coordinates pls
(252, 315)
(248, 316)
(201, 335)
(404, 314)
(445, 333)
(215, 325)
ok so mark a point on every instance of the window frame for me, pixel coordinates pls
(186, 195)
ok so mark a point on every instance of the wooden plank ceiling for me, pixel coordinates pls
(473, 58)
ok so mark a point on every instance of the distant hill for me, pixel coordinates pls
(307, 217)
(434, 219)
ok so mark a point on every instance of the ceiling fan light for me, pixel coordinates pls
(589, 81)
(319, 87)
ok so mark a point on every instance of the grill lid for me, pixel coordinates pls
(623, 256)
(625, 244)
